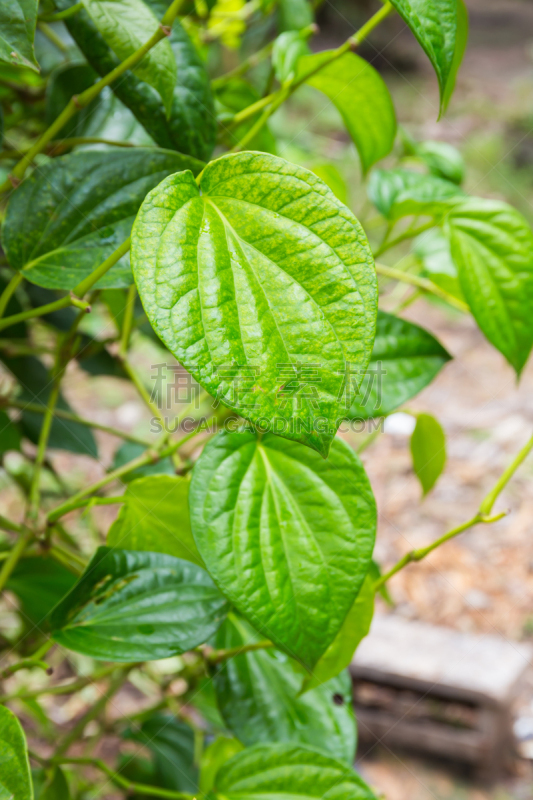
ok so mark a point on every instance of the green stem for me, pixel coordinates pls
(490, 499)
(60, 15)
(141, 389)
(244, 66)
(8, 292)
(12, 560)
(69, 688)
(26, 663)
(52, 36)
(223, 655)
(410, 233)
(422, 283)
(82, 100)
(7, 525)
(261, 122)
(127, 324)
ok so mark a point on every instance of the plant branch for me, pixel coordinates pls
(218, 656)
(8, 292)
(12, 560)
(26, 663)
(422, 283)
(490, 499)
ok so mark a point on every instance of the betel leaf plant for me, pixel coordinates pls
(145, 203)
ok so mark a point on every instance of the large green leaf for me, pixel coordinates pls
(434, 23)
(172, 744)
(125, 26)
(290, 564)
(257, 693)
(262, 284)
(39, 584)
(399, 193)
(428, 448)
(136, 606)
(288, 771)
(155, 517)
(191, 127)
(36, 386)
(82, 208)
(361, 95)
(492, 246)
(405, 359)
(355, 627)
(17, 30)
(15, 778)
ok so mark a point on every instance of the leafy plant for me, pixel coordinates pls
(237, 578)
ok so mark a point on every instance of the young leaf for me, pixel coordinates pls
(83, 206)
(17, 30)
(15, 777)
(155, 517)
(172, 744)
(288, 771)
(294, 14)
(257, 694)
(215, 754)
(399, 193)
(361, 95)
(492, 246)
(428, 448)
(405, 359)
(262, 284)
(131, 606)
(39, 583)
(434, 23)
(433, 249)
(288, 49)
(339, 654)
(292, 566)
(226, 24)
(191, 127)
(443, 160)
(125, 26)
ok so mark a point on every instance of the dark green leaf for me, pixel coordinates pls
(443, 160)
(291, 565)
(234, 96)
(428, 448)
(433, 249)
(361, 95)
(50, 784)
(17, 31)
(67, 80)
(294, 14)
(405, 359)
(83, 206)
(288, 49)
(399, 193)
(257, 694)
(191, 127)
(9, 434)
(288, 771)
(262, 279)
(128, 451)
(134, 606)
(35, 386)
(39, 584)
(155, 517)
(172, 744)
(339, 654)
(126, 25)
(492, 246)
(215, 754)
(15, 778)
(434, 23)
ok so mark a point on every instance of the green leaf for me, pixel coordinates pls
(50, 784)
(39, 584)
(433, 249)
(405, 359)
(257, 694)
(461, 41)
(399, 193)
(155, 517)
(130, 450)
(285, 771)
(292, 566)
(492, 246)
(232, 97)
(361, 95)
(428, 448)
(191, 127)
(443, 160)
(15, 778)
(172, 744)
(125, 26)
(332, 178)
(288, 49)
(339, 654)
(215, 754)
(17, 30)
(131, 606)
(294, 14)
(35, 385)
(67, 80)
(83, 206)
(262, 286)
(434, 23)
(9, 434)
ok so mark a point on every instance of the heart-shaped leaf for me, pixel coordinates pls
(285, 771)
(262, 284)
(82, 208)
(136, 606)
(257, 694)
(290, 563)
(15, 778)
